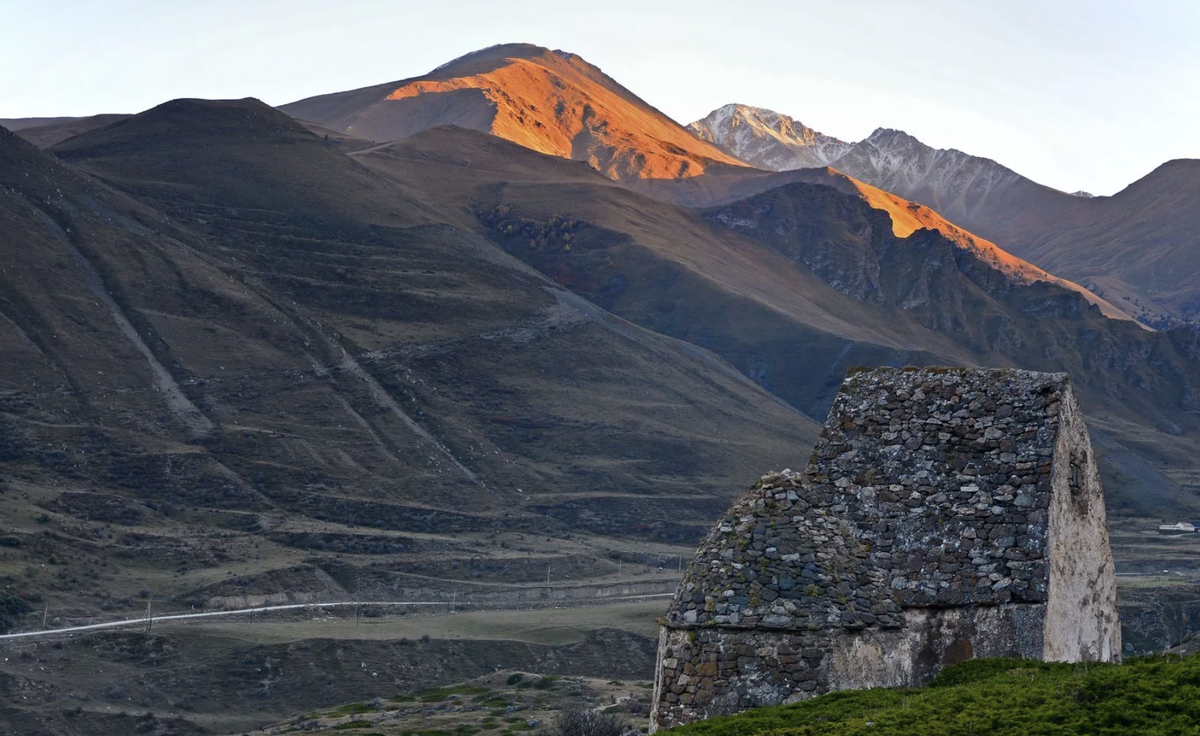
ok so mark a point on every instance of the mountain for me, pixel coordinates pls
(552, 102)
(1139, 248)
(252, 360)
(45, 132)
(795, 284)
(964, 189)
(724, 187)
(374, 284)
(243, 368)
(230, 347)
(768, 140)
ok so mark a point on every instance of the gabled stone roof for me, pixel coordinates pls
(927, 488)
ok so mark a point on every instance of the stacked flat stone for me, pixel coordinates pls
(919, 534)
(927, 488)
(946, 477)
(779, 559)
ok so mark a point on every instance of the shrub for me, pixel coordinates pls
(11, 609)
(580, 721)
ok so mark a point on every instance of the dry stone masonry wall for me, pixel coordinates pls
(944, 514)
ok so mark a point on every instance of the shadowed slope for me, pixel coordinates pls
(266, 161)
(549, 101)
(1141, 244)
(340, 394)
(365, 271)
(656, 264)
(45, 132)
(729, 185)
(793, 285)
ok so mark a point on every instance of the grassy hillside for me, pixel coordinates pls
(240, 366)
(1152, 695)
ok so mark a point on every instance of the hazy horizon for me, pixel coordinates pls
(1075, 96)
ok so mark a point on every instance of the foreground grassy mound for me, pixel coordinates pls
(996, 696)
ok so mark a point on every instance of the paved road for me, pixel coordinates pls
(290, 607)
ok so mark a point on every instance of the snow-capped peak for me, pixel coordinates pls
(766, 138)
(950, 181)
(891, 136)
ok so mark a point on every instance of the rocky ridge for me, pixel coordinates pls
(1136, 249)
(950, 181)
(768, 139)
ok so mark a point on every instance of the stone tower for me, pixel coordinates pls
(944, 514)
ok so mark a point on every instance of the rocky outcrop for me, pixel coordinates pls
(767, 139)
(944, 514)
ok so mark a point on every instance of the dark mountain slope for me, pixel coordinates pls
(956, 292)
(45, 132)
(656, 264)
(223, 362)
(793, 285)
(727, 185)
(265, 161)
(1141, 245)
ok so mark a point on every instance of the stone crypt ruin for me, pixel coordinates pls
(944, 514)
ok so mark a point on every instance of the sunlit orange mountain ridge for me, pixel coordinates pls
(558, 104)
(728, 185)
(552, 102)
(1137, 248)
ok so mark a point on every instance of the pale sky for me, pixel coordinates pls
(1076, 95)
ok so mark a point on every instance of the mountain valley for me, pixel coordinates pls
(501, 337)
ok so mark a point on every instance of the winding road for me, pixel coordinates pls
(150, 620)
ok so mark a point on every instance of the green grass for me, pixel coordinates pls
(353, 708)
(999, 697)
(438, 694)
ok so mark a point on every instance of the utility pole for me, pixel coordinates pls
(547, 574)
(149, 614)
